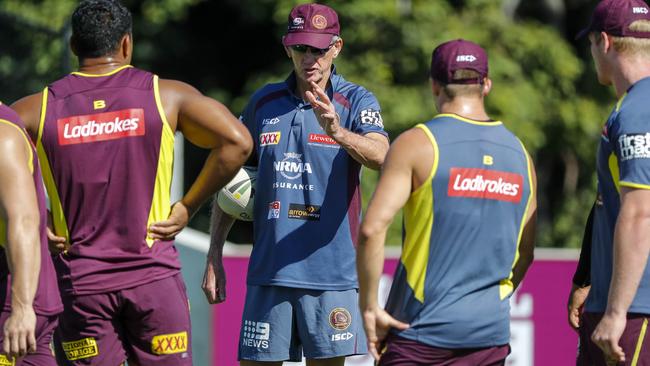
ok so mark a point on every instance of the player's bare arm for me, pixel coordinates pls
(527, 241)
(208, 124)
(19, 209)
(631, 249)
(404, 170)
(214, 276)
(369, 150)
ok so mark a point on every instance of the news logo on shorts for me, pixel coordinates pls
(485, 184)
(270, 138)
(256, 334)
(634, 146)
(274, 210)
(101, 127)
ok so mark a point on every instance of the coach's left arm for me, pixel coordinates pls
(631, 249)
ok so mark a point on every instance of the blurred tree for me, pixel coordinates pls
(544, 84)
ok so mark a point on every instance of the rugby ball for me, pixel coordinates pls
(237, 197)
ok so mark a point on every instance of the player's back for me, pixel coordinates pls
(47, 300)
(107, 153)
(462, 229)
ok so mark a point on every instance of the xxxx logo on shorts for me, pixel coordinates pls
(167, 344)
(6, 361)
(340, 318)
(83, 348)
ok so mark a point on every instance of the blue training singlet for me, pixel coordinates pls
(623, 160)
(307, 197)
(462, 231)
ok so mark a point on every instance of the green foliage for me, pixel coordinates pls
(541, 88)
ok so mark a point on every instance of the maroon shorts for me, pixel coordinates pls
(44, 355)
(148, 325)
(634, 341)
(405, 352)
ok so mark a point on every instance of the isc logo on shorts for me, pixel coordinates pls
(167, 344)
(6, 361)
(101, 126)
(270, 138)
(485, 184)
(83, 348)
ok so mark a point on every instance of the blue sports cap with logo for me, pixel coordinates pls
(455, 55)
(615, 16)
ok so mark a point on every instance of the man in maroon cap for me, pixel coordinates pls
(312, 133)
(614, 323)
(467, 188)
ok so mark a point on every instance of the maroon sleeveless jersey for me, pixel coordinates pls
(107, 150)
(47, 301)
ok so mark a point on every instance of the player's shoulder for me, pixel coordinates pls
(352, 92)
(268, 93)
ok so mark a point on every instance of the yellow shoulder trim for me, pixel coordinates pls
(612, 162)
(634, 185)
(620, 102)
(30, 162)
(41, 121)
(100, 75)
(467, 120)
(161, 110)
(506, 286)
(436, 156)
(60, 224)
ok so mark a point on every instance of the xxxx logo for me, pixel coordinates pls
(270, 138)
(166, 344)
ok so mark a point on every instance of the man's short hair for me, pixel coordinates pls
(98, 27)
(633, 45)
(463, 90)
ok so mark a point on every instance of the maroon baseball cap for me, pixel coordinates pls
(459, 54)
(312, 25)
(615, 16)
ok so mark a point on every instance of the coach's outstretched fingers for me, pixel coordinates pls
(214, 280)
(168, 229)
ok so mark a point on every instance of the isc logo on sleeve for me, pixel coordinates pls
(101, 126)
(485, 184)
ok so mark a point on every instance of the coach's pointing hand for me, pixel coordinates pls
(324, 110)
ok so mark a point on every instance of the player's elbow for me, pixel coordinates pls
(240, 145)
(368, 230)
